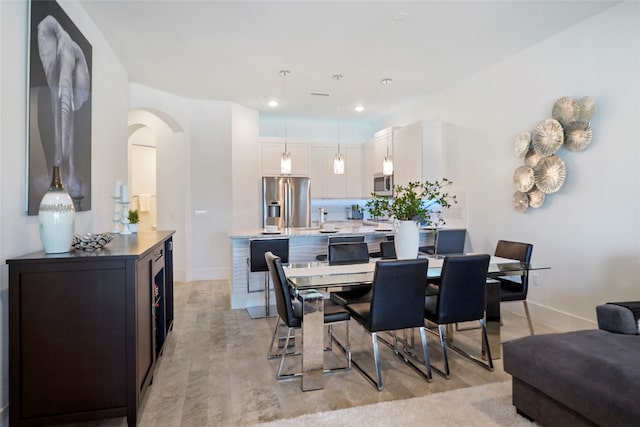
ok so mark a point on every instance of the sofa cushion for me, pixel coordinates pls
(596, 373)
(620, 317)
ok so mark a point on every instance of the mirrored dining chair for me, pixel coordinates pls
(397, 303)
(349, 253)
(339, 239)
(461, 298)
(515, 288)
(290, 315)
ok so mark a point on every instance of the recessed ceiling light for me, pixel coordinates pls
(273, 103)
(359, 108)
(399, 15)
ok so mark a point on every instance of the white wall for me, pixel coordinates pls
(245, 181)
(19, 232)
(220, 150)
(588, 232)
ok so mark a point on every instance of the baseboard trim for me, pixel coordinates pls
(554, 318)
(207, 274)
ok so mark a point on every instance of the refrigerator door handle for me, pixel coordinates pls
(287, 203)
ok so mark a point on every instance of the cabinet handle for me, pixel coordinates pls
(158, 255)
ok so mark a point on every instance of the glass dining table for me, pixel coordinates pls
(309, 279)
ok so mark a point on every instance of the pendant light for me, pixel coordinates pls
(387, 164)
(338, 161)
(285, 157)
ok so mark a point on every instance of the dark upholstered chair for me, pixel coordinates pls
(290, 315)
(349, 253)
(461, 298)
(339, 239)
(510, 289)
(396, 303)
(448, 242)
(388, 250)
(256, 262)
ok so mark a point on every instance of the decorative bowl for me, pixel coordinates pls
(91, 242)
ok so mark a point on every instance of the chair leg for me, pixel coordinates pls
(330, 334)
(526, 312)
(270, 355)
(443, 344)
(279, 376)
(346, 349)
(425, 351)
(486, 343)
(376, 357)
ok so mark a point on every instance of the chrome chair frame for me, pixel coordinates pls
(385, 278)
(286, 309)
(452, 273)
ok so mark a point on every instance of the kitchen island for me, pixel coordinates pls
(304, 245)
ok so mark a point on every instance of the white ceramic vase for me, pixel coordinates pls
(56, 217)
(407, 239)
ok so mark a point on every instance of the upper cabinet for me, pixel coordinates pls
(271, 152)
(383, 144)
(417, 152)
(327, 185)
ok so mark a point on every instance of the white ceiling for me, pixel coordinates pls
(234, 50)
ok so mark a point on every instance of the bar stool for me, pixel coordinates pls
(256, 262)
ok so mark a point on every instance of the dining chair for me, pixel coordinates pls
(448, 242)
(256, 263)
(339, 239)
(461, 298)
(349, 253)
(510, 289)
(388, 250)
(397, 302)
(290, 315)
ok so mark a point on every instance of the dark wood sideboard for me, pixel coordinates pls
(86, 329)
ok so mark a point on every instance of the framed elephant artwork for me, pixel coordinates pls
(59, 107)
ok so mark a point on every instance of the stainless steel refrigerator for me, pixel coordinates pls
(286, 201)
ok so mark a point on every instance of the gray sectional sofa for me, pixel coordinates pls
(580, 378)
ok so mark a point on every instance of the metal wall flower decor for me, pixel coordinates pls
(544, 171)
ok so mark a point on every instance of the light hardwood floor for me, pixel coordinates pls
(214, 371)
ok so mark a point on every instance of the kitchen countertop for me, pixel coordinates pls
(341, 229)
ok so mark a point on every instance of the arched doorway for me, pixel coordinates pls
(157, 178)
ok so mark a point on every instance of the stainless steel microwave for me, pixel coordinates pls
(383, 184)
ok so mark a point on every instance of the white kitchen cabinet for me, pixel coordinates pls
(418, 152)
(271, 152)
(368, 159)
(383, 143)
(327, 185)
(317, 171)
(353, 171)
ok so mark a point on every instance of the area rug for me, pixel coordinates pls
(482, 406)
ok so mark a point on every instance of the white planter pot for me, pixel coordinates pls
(407, 239)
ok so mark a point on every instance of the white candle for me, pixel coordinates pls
(125, 193)
(117, 191)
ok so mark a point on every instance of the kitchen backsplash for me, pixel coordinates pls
(337, 209)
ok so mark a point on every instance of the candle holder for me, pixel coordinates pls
(125, 218)
(116, 215)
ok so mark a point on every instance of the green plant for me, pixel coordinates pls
(413, 202)
(133, 217)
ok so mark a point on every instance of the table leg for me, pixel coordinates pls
(492, 319)
(312, 339)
